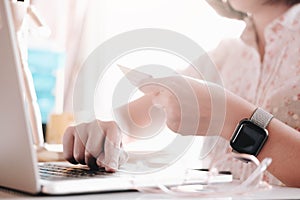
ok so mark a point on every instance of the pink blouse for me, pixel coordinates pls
(273, 83)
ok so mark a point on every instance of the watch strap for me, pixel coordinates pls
(261, 118)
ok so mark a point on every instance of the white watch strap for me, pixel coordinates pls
(261, 117)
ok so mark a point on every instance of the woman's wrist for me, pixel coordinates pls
(237, 109)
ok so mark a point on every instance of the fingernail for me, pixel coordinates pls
(108, 169)
(113, 165)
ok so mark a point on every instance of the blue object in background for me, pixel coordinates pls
(43, 64)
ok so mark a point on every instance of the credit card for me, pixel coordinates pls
(134, 76)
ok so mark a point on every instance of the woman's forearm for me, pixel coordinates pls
(283, 144)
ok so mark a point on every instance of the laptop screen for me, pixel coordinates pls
(18, 160)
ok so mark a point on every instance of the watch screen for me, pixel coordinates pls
(248, 138)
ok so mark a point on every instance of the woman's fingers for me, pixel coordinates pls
(97, 144)
(123, 157)
(68, 145)
(79, 150)
(151, 88)
(94, 144)
(112, 147)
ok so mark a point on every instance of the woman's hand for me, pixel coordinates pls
(194, 106)
(191, 106)
(97, 144)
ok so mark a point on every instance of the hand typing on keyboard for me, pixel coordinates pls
(96, 144)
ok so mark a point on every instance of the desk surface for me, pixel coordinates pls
(274, 193)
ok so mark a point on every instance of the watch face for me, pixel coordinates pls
(248, 138)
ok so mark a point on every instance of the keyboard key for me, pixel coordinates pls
(52, 171)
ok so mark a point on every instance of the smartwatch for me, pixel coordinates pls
(251, 134)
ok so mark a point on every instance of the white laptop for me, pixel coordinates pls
(19, 169)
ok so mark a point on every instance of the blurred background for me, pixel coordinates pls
(78, 27)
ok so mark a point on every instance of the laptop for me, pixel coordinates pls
(19, 168)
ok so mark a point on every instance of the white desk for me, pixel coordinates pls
(274, 193)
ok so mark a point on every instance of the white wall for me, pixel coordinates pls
(193, 18)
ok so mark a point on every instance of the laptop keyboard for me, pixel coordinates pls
(51, 171)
